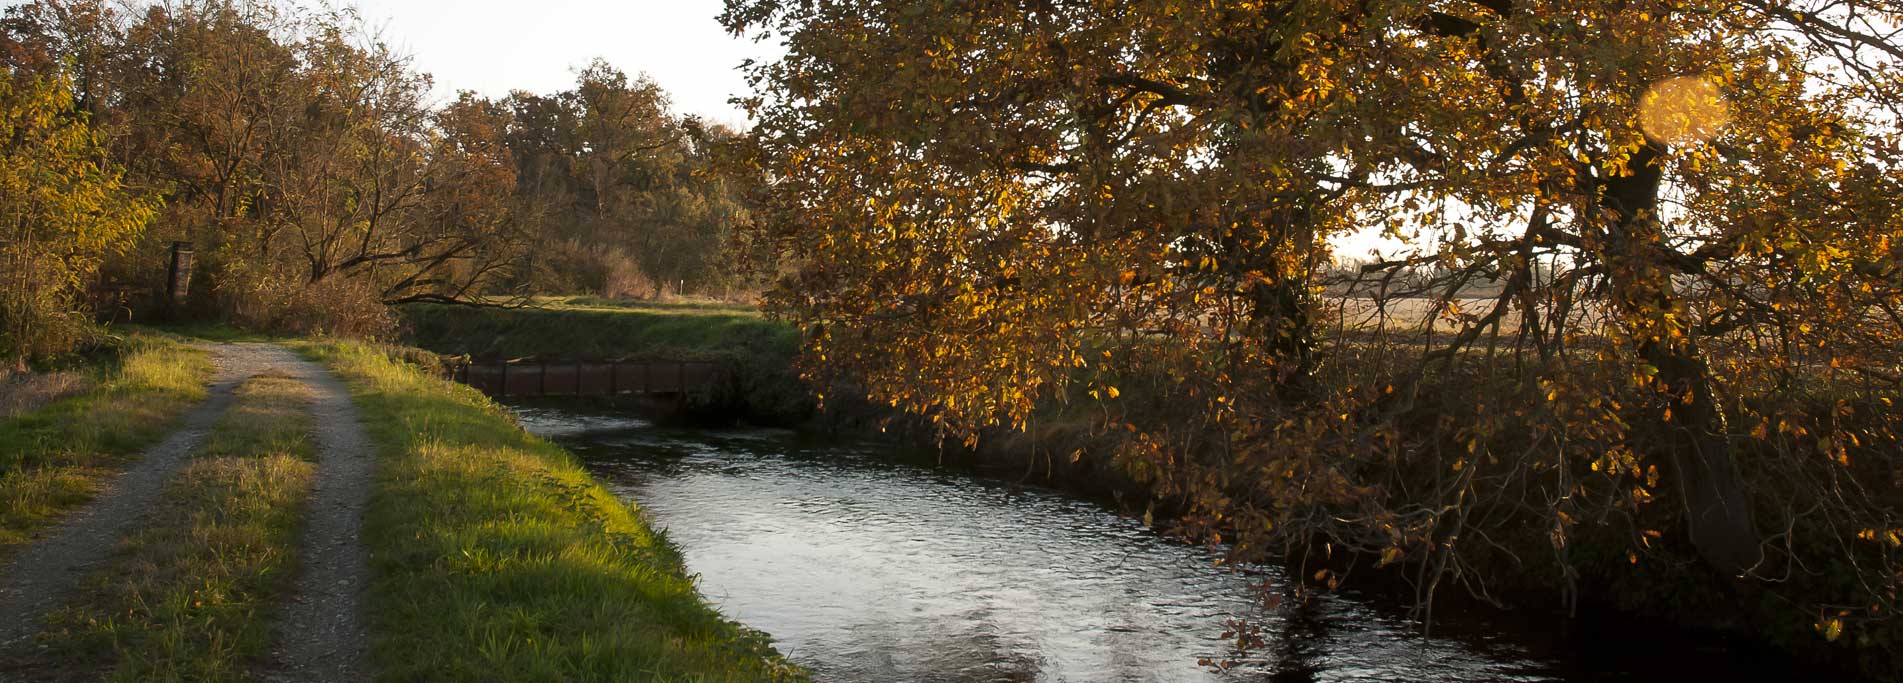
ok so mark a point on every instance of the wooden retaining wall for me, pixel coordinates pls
(590, 377)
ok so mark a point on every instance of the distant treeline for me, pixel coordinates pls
(319, 182)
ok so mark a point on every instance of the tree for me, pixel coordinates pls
(631, 189)
(980, 197)
(63, 210)
(991, 207)
(294, 148)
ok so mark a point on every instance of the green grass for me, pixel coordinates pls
(497, 558)
(679, 307)
(210, 331)
(760, 352)
(694, 333)
(190, 596)
(58, 457)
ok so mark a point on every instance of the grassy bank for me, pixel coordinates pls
(765, 387)
(598, 331)
(497, 558)
(702, 307)
(57, 457)
(189, 597)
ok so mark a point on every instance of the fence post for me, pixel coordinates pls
(178, 277)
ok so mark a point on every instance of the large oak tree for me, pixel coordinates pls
(1649, 231)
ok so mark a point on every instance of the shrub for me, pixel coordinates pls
(62, 210)
(336, 306)
(577, 266)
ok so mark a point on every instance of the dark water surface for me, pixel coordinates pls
(868, 570)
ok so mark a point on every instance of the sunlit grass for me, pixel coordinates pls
(497, 558)
(58, 457)
(189, 597)
(708, 307)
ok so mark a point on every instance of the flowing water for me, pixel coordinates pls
(865, 568)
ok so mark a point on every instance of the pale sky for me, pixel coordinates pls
(495, 46)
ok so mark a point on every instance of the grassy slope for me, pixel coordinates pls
(189, 597)
(499, 559)
(690, 307)
(672, 333)
(56, 458)
(760, 351)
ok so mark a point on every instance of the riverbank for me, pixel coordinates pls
(1628, 568)
(495, 557)
(763, 388)
(1622, 560)
(887, 567)
(492, 556)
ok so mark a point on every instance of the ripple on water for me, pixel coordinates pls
(866, 570)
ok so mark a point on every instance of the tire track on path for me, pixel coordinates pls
(44, 573)
(323, 637)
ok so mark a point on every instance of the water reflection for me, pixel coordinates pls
(867, 570)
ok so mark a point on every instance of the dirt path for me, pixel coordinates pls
(41, 575)
(323, 629)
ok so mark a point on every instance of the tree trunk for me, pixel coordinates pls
(1279, 315)
(1717, 506)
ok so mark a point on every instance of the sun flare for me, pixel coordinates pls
(1684, 110)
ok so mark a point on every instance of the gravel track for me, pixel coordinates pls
(324, 638)
(45, 572)
(322, 634)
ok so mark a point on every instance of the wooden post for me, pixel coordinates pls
(178, 277)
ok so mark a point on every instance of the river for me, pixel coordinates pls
(864, 567)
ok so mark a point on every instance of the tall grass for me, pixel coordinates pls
(58, 457)
(190, 596)
(497, 558)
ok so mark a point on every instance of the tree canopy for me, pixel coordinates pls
(635, 197)
(63, 209)
(321, 182)
(1663, 289)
